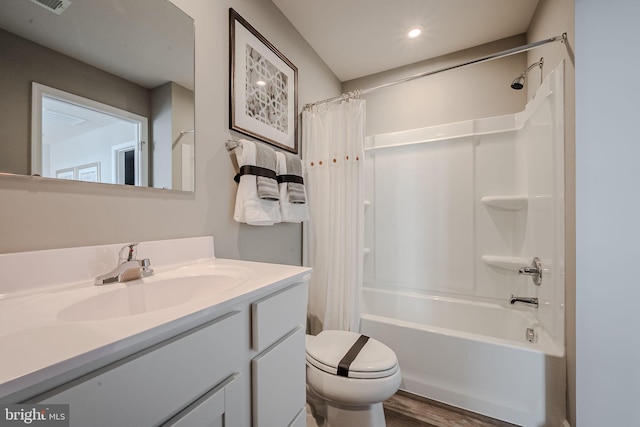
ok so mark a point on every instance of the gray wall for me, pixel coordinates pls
(476, 91)
(161, 126)
(607, 213)
(40, 214)
(22, 63)
(172, 106)
(552, 18)
(183, 114)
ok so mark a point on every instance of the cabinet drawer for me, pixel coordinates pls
(149, 387)
(278, 382)
(276, 315)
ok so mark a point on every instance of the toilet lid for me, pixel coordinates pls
(328, 349)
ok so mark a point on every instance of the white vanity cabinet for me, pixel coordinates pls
(278, 371)
(243, 367)
(203, 342)
(149, 387)
(217, 408)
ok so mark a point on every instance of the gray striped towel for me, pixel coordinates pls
(295, 191)
(267, 187)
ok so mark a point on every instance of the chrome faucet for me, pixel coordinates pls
(535, 271)
(532, 301)
(128, 268)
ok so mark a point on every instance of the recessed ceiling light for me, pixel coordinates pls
(261, 83)
(414, 31)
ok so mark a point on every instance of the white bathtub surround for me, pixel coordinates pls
(333, 141)
(482, 198)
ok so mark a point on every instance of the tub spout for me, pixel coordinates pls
(532, 301)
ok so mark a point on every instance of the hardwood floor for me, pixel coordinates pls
(408, 410)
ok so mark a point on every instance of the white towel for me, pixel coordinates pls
(290, 212)
(249, 207)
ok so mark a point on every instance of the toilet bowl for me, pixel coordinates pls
(348, 377)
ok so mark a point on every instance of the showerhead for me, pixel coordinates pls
(518, 82)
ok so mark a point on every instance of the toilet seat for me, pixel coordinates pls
(327, 349)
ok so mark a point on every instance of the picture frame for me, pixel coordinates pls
(263, 87)
(67, 173)
(88, 173)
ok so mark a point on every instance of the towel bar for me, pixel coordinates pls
(232, 145)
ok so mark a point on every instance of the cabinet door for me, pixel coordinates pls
(278, 382)
(213, 409)
(152, 386)
(300, 420)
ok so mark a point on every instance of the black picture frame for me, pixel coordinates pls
(263, 87)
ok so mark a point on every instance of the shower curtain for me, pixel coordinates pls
(333, 150)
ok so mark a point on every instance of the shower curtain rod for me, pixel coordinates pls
(562, 38)
(182, 133)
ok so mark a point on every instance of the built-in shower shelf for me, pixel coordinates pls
(506, 262)
(512, 203)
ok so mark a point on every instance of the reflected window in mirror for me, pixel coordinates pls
(70, 132)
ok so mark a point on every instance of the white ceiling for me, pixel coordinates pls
(148, 42)
(63, 120)
(357, 38)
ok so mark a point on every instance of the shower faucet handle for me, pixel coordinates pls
(535, 271)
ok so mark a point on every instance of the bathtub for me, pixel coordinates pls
(472, 355)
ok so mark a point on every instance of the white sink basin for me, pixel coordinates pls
(149, 295)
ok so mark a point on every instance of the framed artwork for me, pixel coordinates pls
(88, 173)
(263, 99)
(65, 173)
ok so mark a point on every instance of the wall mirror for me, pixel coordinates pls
(98, 90)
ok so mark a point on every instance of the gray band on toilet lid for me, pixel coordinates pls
(345, 362)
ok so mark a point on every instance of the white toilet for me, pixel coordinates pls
(348, 377)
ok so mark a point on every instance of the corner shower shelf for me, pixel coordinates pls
(512, 203)
(507, 262)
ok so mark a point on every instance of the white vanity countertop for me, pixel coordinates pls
(51, 331)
